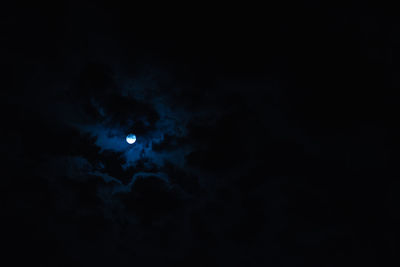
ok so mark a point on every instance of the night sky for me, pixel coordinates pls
(267, 135)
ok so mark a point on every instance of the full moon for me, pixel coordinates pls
(131, 138)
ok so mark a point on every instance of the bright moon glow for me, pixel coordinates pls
(131, 138)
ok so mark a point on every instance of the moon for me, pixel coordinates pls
(131, 138)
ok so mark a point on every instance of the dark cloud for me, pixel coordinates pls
(263, 142)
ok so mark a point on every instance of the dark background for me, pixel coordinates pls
(288, 155)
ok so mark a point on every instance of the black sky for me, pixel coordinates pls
(267, 135)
